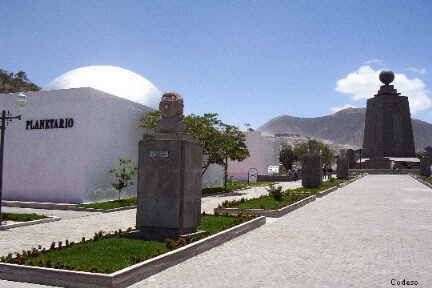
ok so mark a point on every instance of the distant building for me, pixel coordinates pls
(264, 152)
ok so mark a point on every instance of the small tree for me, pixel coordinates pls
(287, 156)
(232, 146)
(206, 130)
(313, 146)
(123, 175)
(150, 120)
(219, 141)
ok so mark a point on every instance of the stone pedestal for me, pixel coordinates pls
(312, 171)
(425, 167)
(169, 185)
(378, 163)
(169, 177)
(350, 158)
(342, 168)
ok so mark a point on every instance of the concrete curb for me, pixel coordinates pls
(421, 181)
(327, 191)
(29, 223)
(268, 213)
(129, 275)
(60, 206)
(203, 195)
(352, 180)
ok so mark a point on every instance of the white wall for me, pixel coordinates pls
(114, 133)
(264, 151)
(69, 165)
(46, 165)
(214, 176)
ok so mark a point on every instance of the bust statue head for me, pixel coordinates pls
(171, 105)
(171, 108)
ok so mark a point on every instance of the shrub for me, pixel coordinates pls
(275, 192)
(123, 175)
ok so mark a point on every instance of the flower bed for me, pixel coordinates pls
(110, 252)
(178, 251)
(289, 196)
(275, 205)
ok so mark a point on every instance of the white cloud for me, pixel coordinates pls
(338, 108)
(364, 83)
(420, 71)
(374, 61)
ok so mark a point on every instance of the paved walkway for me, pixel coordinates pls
(374, 230)
(76, 224)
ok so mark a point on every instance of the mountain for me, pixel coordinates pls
(18, 82)
(344, 127)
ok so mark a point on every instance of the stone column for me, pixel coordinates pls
(169, 176)
(312, 170)
(342, 168)
(425, 166)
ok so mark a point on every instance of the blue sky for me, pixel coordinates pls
(249, 61)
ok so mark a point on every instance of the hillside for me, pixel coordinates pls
(15, 82)
(343, 127)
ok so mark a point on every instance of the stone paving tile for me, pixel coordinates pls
(77, 224)
(17, 239)
(365, 234)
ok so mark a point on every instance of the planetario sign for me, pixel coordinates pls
(50, 123)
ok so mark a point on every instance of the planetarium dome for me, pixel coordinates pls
(110, 79)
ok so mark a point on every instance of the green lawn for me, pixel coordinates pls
(21, 217)
(215, 224)
(111, 204)
(232, 186)
(288, 197)
(114, 252)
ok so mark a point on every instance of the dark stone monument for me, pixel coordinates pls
(342, 168)
(425, 166)
(388, 128)
(169, 176)
(350, 157)
(312, 170)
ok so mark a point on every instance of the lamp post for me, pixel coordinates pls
(5, 119)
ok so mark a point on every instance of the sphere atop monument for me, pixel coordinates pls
(386, 76)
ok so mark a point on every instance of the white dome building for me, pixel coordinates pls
(73, 132)
(110, 79)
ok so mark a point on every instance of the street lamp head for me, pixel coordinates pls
(21, 100)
